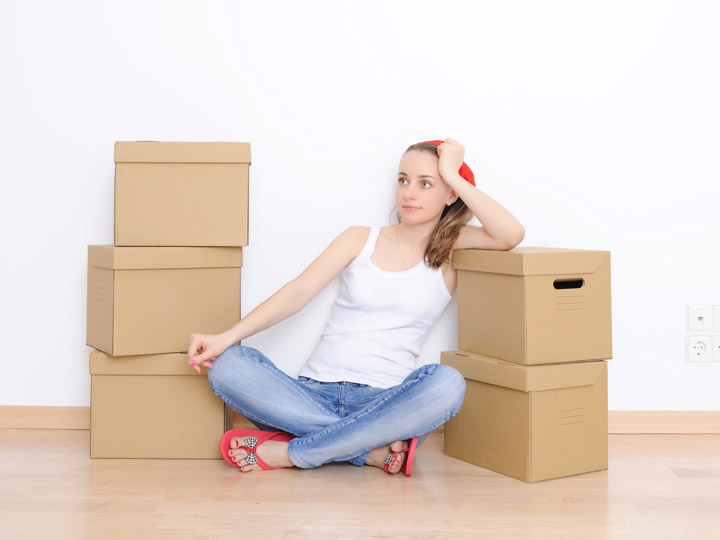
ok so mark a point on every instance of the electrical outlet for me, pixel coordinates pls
(699, 349)
(716, 316)
(716, 348)
(700, 317)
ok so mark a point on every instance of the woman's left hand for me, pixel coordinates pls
(451, 154)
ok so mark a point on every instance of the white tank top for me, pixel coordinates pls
(378, 322)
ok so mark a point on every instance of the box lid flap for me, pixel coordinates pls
(155, 258)
(181, 152)
(530, 261)
(149, 364)
(524, 378)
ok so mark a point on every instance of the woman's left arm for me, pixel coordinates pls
(500, 230)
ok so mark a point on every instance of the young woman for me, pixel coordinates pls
(359, 397)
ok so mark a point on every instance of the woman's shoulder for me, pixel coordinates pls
(354, 238)
(356, 232)
(357, 229)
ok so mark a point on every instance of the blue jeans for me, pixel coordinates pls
(335, 421)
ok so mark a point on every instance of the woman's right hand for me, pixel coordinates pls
(203, 350)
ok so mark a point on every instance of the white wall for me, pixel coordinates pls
(595, 123)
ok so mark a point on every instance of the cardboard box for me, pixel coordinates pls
(148, 300)
(530, 422)
(153, 406)
(181, 193)
(534, 305)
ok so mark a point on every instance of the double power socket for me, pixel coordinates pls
(703, 342)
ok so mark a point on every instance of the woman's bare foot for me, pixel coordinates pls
(376, 457)
(273, 453)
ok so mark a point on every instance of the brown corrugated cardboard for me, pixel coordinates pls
(148, 300)
(153, 406)
(530, 422)
(534, 305)
(181, 193)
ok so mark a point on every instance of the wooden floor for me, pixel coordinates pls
(657, 486)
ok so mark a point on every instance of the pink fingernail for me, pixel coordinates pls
(213, 358)
(209, 366)
(192, 362)
(197, 369)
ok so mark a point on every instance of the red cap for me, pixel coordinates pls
(464, 171)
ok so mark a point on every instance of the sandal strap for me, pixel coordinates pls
(252, 443)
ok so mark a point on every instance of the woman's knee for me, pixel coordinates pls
(233, 360)
(450, 384)
(240, 353)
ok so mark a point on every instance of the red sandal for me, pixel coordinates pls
(253, 439)
(407, 465)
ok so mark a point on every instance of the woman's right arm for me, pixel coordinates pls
(288, 300)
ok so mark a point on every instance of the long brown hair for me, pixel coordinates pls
(447, 231)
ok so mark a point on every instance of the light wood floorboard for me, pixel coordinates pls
(658, 486)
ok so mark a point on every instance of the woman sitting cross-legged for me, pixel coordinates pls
(359, 397)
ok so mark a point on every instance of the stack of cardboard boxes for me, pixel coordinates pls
(181, 219)
(534, 331)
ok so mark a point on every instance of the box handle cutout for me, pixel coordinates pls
(568, 283)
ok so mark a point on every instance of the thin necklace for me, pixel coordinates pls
(398, 243)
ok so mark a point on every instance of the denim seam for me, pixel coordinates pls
(340, 399)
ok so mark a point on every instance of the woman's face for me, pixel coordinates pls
(421, 194)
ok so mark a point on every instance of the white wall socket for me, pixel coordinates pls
(700, 317)
(716, 348)
(700, 349)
